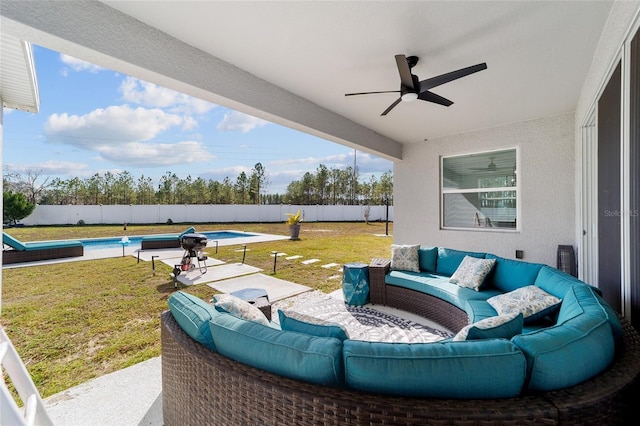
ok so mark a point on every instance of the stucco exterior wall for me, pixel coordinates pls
(546, 175)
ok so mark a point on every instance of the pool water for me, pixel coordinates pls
(136, 241)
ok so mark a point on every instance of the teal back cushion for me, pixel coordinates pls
(555, 282)
(509, 274)
(320, 328)
(193, 315)
(492, 328)
(286, 353)
(449, 260)
(427, 257)
(12, 242)
(190, 230)
(492, 368)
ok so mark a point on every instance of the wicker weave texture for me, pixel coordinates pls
(159, 244)
(378, 268)
(444, 313)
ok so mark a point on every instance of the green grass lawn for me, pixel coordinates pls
(71, 322)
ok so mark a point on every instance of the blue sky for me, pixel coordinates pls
(94, 120)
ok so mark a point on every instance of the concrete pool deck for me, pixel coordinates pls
(135, 251)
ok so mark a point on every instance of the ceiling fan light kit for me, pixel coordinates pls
(411, 88)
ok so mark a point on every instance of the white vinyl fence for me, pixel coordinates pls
(192, 213)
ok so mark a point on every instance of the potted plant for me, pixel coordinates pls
(293, 220)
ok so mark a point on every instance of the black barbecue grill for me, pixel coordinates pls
(193, 241)
(193, 245)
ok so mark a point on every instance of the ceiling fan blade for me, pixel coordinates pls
(392, 106)
(405, 72)
(432, 82)
(436, 99)
(371, 93)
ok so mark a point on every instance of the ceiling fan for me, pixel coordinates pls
(491, 167)
(411, 88)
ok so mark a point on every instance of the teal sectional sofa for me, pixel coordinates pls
(512, 371)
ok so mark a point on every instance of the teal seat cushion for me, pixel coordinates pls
(46, 245)
(193, 315)
(477, 310)
(493, 368)
(449, 259)
(286, 353)
(294, 321)
(427, 257)
(577, 348)
(509, 275)
(438, 286)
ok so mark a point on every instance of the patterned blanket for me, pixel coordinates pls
(366, 323)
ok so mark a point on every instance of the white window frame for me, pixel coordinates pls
(516, 189)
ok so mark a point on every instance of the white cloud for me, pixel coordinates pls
(78, 65)
(235, 120)
(68, 168)
(109, 126)
(152, 95)
(147, 154)
(122, 135)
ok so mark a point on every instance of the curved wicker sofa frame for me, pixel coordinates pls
(203, 387)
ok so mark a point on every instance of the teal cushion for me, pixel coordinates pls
(12, 242)
(497, 327)
(449, 260)
(190, 230)
(577, 348)
(509, 274)
(46, 245)
(193, 315)
(293, 321)
(555, 282)
(493, 368)
(286, 353)
(427, 257)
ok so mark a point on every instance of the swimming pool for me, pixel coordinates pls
(136, 241)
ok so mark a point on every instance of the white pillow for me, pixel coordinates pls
(404, 257)
(532, 301)
(471, 272)
(239, 308)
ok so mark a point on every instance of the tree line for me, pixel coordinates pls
(325, 186)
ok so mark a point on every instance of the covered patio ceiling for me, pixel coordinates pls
(292, 62)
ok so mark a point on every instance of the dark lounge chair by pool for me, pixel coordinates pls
(164, 240)
(19, 252)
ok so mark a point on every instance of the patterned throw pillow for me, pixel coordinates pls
(472, 272)
(239, 308)
(404, 257)
(498, 327)
(533, 302)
